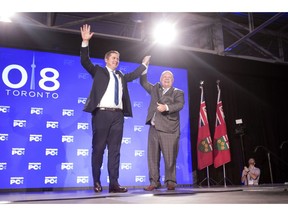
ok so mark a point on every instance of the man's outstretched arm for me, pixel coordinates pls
(137, 73)
(144, 82)
(84, 53)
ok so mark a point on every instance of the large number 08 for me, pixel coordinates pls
(24, 78)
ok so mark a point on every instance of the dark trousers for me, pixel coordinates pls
(107, 127)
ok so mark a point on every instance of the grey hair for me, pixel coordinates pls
(164, 72)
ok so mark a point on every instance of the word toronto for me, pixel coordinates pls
(31, 94)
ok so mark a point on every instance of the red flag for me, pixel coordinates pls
(221, 141)
(204, 141)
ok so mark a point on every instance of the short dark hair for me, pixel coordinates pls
(107, 55)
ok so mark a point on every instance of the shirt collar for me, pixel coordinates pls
(110, 70)
(165, 89)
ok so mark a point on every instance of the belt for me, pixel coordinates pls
(110, 109)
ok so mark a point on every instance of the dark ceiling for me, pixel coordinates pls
(256, 36)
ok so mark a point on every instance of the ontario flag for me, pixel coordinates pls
(204, 141)
(221, 142)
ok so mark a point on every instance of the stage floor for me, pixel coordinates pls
(262, 194)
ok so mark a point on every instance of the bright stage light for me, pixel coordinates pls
(6, 16)
(165, 33)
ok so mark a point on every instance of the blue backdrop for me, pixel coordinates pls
(45, 137)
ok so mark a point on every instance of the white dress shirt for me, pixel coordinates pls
(107, 100)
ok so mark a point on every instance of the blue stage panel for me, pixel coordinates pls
(45, 136)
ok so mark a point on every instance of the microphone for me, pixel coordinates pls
(281, 146)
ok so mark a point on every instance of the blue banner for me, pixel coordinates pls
(45, 136)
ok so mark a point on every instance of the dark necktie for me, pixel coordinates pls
(116, 99)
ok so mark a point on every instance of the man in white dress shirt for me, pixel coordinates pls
(108, 102)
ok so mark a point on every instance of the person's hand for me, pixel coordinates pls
(146, 60)
(85, 33)
(246, 170)
(161, 107)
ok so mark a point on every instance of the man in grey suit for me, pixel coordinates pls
(164, 132)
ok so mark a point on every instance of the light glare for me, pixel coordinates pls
(6, 16)
(165, 33)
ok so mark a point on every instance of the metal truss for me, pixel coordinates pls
(261, 37)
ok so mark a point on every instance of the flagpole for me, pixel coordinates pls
(208, 178)
(224, 170)
(222, 153)
(204, 147)
(224, 175)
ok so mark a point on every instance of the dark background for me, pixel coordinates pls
(254, 91)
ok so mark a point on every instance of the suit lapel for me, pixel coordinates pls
(106, 72)
(170, 91)
(161, 96)
(159, 91)
(117, 72)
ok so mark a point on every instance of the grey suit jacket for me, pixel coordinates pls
(167, 121)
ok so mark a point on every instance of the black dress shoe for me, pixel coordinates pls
(97, 187)
(117, 189)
